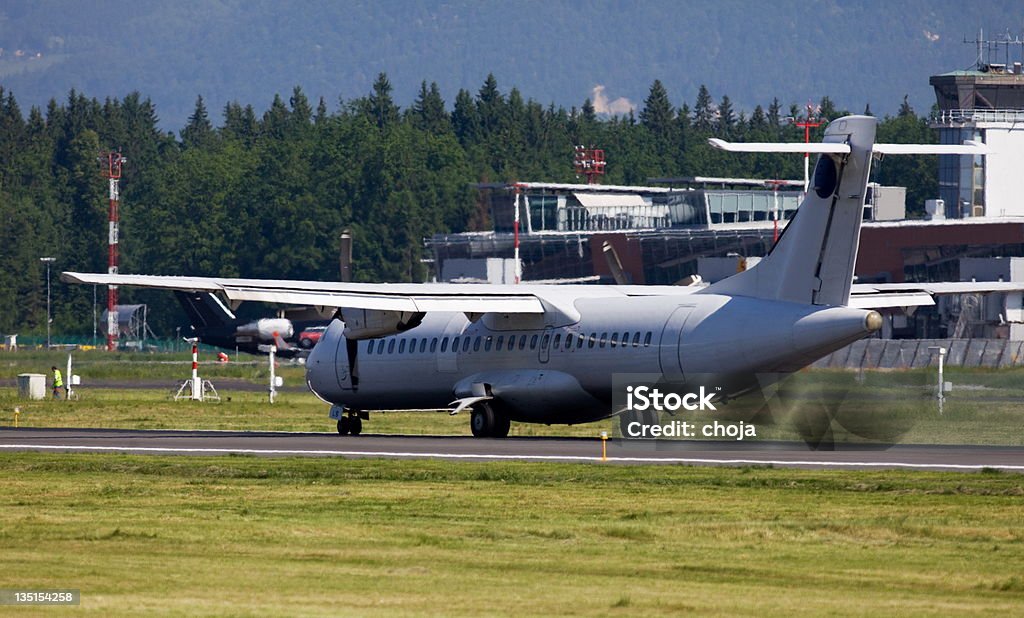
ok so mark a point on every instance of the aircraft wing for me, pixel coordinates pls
(386, 297)
(403, 297)
(887, 295)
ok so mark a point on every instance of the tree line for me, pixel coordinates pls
(266, 195)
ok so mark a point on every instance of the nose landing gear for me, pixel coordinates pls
(350, 422)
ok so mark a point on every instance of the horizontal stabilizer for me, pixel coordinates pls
(967, 148)
(820, 147)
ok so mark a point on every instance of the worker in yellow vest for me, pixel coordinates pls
(58, 383)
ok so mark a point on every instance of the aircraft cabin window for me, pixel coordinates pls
(544, 341)
(466, 342)
(557, 342)
(568, 341)
(615, 339)
(604, 340)
(476, 344)
(500, 343)
(580, 338)
(625, 339)
(511, 342)
(533, 342)
(487, 343)
(591, 340)
(455, 345)
(401, 346)
(369, 346)
(636, 340)
(412, 346)
(444, 344)
(433, 345)
(522, 342)
(391, 346)
(647, 339)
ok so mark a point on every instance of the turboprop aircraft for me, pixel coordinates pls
(214, 324)
(549, 353)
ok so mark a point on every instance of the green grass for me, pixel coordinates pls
(238, 410)
(986, 406)
(249, 536)
(102, 365)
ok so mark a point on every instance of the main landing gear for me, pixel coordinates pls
(351, 422)
(487, 422)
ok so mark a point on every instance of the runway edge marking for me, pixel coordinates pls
(680, 460)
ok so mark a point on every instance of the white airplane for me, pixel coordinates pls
(549, 354)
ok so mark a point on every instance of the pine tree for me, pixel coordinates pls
(703, 110)
(726, 117)
(905, 108)
(658, 112)
(491, 109)
(379, 106)
(427, 112)
(198, 131)
(465, 120)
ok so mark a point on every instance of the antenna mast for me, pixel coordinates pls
(111, 163)
(988, 49)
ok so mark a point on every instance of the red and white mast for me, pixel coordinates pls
(112, 171)
(812, 120)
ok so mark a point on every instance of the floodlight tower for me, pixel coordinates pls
(589, 162)
(111, 163)
(812, 120)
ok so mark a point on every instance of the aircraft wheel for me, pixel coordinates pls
(305, 343)
(355, 425)
(344, 425)
(481, 421)
(502, 424)
(624, 420)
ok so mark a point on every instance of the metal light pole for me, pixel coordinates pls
(48, 260)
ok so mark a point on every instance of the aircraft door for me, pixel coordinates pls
(668, 346)
(544, 348)
(346, 364)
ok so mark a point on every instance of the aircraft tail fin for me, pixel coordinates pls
(204, 309)
(813, 261)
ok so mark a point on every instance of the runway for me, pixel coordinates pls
(459, 448)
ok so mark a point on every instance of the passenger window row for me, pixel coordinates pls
(566, 342)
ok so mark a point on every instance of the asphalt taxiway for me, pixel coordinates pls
(738, 453)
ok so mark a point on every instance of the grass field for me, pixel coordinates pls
(986, 406)
(247, 536)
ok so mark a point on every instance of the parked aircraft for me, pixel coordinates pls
(549, 354)
(214, 324)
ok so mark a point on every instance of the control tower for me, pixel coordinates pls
(985, 104)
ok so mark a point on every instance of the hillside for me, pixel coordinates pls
(552, 51)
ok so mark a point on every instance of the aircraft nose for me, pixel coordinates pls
(321, 365)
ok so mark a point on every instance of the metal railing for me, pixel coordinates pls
(960, 116)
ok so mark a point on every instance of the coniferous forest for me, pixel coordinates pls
(244, 193)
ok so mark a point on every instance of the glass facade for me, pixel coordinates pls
(962, 178)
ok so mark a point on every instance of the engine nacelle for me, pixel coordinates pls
(371, 323)
(265, 329)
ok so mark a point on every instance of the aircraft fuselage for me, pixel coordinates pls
(564, 373)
